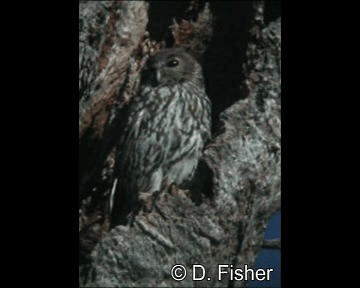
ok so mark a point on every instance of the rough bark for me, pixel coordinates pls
(226, 224)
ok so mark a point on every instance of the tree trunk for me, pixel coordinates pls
(239, 46)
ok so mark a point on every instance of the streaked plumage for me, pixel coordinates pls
(168, 124)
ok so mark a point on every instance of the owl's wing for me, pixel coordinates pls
(141, 155)
(130, 136)
(123, 190)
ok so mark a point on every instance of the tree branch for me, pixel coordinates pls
(271, 244)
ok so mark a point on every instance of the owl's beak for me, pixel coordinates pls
(158, 76)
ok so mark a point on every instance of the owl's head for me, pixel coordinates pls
(171, 66)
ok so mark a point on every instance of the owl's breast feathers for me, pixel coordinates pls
(167, 126)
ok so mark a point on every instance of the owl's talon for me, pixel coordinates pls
(173, 189)
(148, 200)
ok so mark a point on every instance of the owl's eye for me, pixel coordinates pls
(172, 63)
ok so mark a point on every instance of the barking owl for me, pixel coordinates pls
(167, 125)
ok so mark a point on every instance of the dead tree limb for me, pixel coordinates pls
(227, 226)
(271, 244)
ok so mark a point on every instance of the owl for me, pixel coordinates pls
(167, 125)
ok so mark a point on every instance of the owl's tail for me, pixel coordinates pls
(112, 194)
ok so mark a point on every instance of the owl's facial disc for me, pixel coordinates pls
(170, 67)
